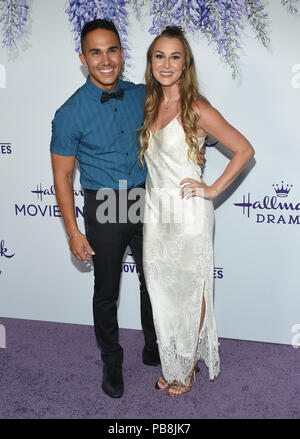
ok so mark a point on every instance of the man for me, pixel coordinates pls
(103, 137)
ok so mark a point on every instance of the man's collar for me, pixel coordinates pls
(97, 91)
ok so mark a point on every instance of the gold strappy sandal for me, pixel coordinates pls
(176, 388)
(161, 384)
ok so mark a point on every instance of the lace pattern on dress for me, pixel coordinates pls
(177, 367)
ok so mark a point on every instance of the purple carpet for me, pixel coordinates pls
(54, 370)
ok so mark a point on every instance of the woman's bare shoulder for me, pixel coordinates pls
(201, 105)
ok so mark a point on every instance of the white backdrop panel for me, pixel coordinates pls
(256, 255)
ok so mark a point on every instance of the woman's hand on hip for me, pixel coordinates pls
(196, 188)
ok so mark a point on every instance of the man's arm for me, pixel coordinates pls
(63, 168)
(200, 158)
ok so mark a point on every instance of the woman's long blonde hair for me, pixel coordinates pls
(188, 87)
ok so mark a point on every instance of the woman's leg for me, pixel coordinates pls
(178, 388)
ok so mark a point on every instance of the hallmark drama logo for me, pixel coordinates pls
(42, 205)
(272, 209)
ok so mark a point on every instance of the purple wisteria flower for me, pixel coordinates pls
(221, 21)
(82, 11)
(291, 6)
(190, 15)
(258, 19)
(137, 6)
(13, 16)
(161, 11)
(223, 29)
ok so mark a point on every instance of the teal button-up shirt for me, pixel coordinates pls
(102, 136)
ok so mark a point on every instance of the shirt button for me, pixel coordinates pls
(129, 173)
(116, 109)
(122, 132)
(126, 153)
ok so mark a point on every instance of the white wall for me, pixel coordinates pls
(256, 286)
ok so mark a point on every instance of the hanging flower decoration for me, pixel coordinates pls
(13, 16)
(137, 6)
(291, 6)
(222, 22)
(223, 28)
(82, 11)
(258, 20)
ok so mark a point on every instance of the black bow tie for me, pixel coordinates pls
(107, 96)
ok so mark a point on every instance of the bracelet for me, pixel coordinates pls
(71, 237)
(214, 188)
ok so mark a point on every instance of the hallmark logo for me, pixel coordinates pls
(40, 192)
(4, 252)
(274, 204)
(5, 148)
(281, 191)
(45, 210)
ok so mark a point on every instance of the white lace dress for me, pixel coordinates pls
(178, 258)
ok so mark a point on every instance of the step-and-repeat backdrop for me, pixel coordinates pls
(257, 233)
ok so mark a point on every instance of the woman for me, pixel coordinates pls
(178, 226)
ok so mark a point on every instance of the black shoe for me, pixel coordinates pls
(112, 381)
(151, 356)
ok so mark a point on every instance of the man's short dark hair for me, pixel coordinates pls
(99, 23)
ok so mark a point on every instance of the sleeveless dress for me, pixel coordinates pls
(178, 257)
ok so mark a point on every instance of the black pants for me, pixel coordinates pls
(109, 241)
